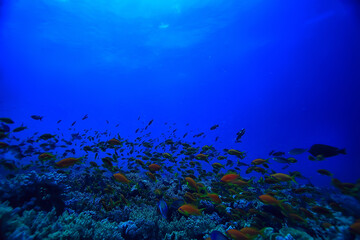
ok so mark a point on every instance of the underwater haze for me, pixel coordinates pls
(180, 119)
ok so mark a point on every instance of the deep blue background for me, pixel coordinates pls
(287, 71)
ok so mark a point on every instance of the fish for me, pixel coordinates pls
(37, 117)
(277, 154)
(84, 117)
(154, 167)
(324, 172)
(240, 182)
(7, 120)
(259, 161)
(198, 135)
(237, 235)
(239, 135)
(163, 208)
(251, 232)
(283, 177)
(228, 178)
(297, 151)
(67, 162)
(201, 156)
(114, 142)
(236, 153)
(46, 156)
(189, 209)
(151, 176)
(214, 127)
(217, 235)
(73, 123)
(19, 129)
(284, 160)
(217, 165)
(4, 128)
(214, 198)
(267, 199)
(191, 183)
(46, 136)
(355, 228)
(154, 171)
(121, 178)
(75, 136)
(325, 151)
(58, 121)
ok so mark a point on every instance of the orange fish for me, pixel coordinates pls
(259, 161)
(121, 178)
(250, 231)
(67, 162)
(267, 199)
(283, 177)
(201, 156)
(214, 197)
(240, 182)
(191, 182)
(217, 165)
(46, 156)
(228, 178)
(235, 152)
(151, 176)
(296, 218)
(154, 167)
(114, 141)
(355, 228)
(188, 209)
(237, 235)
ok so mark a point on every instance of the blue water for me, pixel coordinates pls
(286, 71)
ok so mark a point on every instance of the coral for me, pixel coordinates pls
(343, 219)
(84, 226)
(82, 201)
(119, 215)
(32, 189)
(175, 189)
(287, 237)
(178, 235)
(146, 222)
(8, 220)
(348, 203)
(143, 212)
(242, 203)
(43, 225)
(339, 233)
(193, 226)
(140, 229)
(295, 234)
(268, 232)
